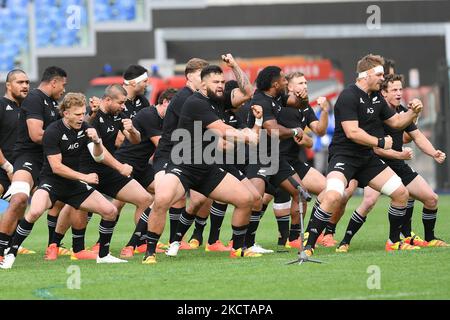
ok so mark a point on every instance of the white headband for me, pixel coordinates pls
(377, 69)
(142, 77)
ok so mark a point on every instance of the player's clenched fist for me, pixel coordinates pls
(126, 170)
(94, 104)
(416, 105)
(407, 153)
(91, 178)
(127, 125)
(322, 102)
(387, 143)
(92, 134)
(439, 156)
(229, 60)
(257, 111)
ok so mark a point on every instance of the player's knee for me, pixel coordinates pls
(33, 215)
(251, 199)
(19, 202)
(110, 213)
(334, 191)
(332, 197)
(146, 199)
(257, 201)
(432, 201)
(369, 203)
(245, 200)
(401, 194)
(162, 202)
(194, 205)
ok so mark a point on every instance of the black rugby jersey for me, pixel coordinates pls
(69, 142)
(149, 124)
(294, 118)
(200, 111)
(107, 126)
(397, 135)
(9, 117)
(37, 105)
(369, 110)
(171, 122)
(132, 107)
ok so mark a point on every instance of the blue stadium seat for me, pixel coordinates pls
(43, 36)
(102, 11)
(52, 30)
(13, 33)
(6, 61)
(123, 10)
(17, 4)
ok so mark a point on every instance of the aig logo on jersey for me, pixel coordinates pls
(73, 146)
(370, 110)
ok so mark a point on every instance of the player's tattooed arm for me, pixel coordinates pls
(245, 91)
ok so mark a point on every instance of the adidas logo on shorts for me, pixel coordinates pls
(262, 172)
(46, 186)
(339, 165)
(176, 171)
(28, 165)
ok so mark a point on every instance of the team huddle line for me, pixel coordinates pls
(219, 142)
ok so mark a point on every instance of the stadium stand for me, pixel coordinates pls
(51, 24)
(112, 10)
(52, 30)
(13, 34)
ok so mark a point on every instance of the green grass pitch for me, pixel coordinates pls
(196, 274)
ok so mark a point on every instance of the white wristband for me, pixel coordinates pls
(99, 158)
(259, 122)
(7, 166)
(295, 132)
